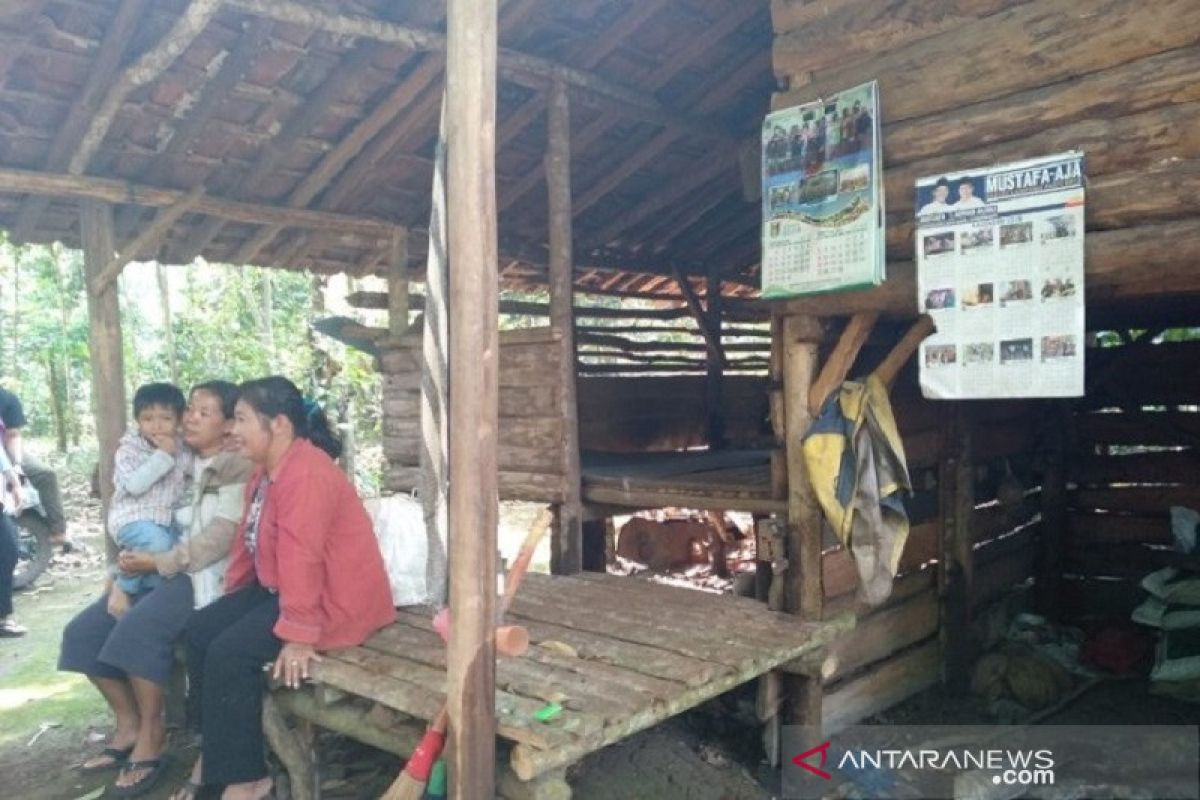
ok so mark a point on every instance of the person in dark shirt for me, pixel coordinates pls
(12, 414)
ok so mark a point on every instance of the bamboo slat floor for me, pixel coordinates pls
(617, 654)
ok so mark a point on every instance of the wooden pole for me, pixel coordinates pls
(804, 594)
(567, 537)
(956, 571)
(841, 360)
(398, 284)
(715, 366)
(104, 345)
(474, 386)
(1054, 510)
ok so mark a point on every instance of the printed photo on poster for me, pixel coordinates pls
(822, 227)
(999, 254)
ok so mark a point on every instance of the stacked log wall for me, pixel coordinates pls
(531, 456)
(1137, 435)
(969, 83)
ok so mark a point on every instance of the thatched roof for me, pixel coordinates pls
(291, 114)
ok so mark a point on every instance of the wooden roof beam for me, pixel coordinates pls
(70, 134)
(296, 127)
(357, 177)
(518, 67)
(149, 66)
(350, 146)
(665, 197)
(152, 236)
(231, 71)
(19, 181)
(712, 337)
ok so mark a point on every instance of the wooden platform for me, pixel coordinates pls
(618, 654)
(734, 480)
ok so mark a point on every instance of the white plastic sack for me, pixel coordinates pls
(400, 529)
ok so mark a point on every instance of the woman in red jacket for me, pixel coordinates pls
(305, 574)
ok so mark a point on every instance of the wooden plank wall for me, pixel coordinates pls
(1138, 433)
(638, 414)
(531, 427)
(967, 83)
(895, 650)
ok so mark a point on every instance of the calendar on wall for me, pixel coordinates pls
(823, 222)
(1000, 270)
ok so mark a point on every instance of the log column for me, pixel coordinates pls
(567, 539)
(804, 590)
(474, 406)
(104, 343)
(1048, 572)
(956, 573)
(715, 367)
(398, 284)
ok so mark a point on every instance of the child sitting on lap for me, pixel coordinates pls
(149, 475)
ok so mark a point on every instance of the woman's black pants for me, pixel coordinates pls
(228, 643)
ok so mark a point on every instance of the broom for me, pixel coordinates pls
(410, 785)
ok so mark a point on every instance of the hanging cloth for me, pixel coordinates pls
(855, 460)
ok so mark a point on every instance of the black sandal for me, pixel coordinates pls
(155, 766)
(119, 756)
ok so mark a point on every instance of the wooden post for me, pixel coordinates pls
(956, 573)
(566, 552)
(1054, 510)
(474, 403)
(714, 365)
(805, 594)
(104, 344)
(398, 284)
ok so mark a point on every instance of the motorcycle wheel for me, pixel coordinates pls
(33, 549)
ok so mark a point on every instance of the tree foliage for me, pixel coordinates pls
(233, 323)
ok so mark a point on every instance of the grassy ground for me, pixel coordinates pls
(61, 710)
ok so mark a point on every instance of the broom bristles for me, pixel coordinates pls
(410, 785)
(405, 787)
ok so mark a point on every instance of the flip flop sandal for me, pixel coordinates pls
(156, 767)
(119, 756)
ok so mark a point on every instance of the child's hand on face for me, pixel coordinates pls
(165, 442)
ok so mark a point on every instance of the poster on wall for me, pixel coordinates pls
(822, 196)
(999, 255)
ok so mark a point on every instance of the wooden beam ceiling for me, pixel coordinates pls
(68, 137)
(518, 67)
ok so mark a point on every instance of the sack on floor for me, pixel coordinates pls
(400, 529)
(1178, 656)
(1157, 614)
(1173, 586)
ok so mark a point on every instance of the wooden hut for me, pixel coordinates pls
(299, 135)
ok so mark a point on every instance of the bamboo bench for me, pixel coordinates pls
(619, 655)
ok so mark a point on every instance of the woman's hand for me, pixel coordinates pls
(118, 602)
(133, 562)
(292, 665)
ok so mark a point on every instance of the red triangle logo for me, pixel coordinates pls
(802, 760)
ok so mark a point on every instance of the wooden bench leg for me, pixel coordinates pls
(297, 758)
